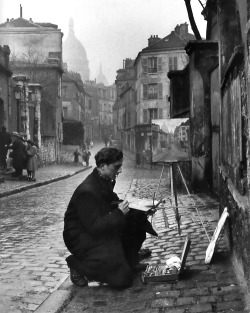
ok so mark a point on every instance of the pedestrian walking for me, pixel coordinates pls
(5, 141)
(18, 155)
(101, 232)
(137, 159)
(86, 156)
(76, 156)
(91, 144)
(32, 161)
(144, 159)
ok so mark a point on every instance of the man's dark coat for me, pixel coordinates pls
(99, 235)
(18, 154)
(5, 140)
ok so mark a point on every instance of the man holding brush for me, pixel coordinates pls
(101, 232)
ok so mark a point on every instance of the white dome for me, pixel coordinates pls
(74, 54)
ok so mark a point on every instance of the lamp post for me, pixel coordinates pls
(21, 95)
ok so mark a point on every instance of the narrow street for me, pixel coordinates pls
(32, 250)
(33, 253)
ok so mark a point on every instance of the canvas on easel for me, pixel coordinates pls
(170, 140)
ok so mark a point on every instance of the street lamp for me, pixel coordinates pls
(20, 89)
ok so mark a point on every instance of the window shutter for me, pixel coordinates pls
(145, 116)
(160, 91)
(145, 91)
(170, 64)
(145, 65)
(159, 64)
(160, 113)
(175, 63)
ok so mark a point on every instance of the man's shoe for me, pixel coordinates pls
(139, 267)
(77, 279)
(144, 254)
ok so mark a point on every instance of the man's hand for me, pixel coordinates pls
(124, 207)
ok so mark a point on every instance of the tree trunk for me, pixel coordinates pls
(192, 21)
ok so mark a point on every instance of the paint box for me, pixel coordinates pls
(156, 273)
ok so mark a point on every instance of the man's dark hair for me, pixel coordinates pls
(108, 155)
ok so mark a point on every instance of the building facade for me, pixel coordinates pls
(124, 113)
(147, 78)
(218, 83)
(36, 52)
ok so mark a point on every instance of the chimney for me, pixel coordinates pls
(184, 30)
(21, 11)
(177, 29)
(152, 40)
(128, 62)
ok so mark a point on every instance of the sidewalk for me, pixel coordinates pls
(202, 288)
(44, 175)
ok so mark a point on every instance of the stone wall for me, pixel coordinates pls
(237, 228)
(47, 151)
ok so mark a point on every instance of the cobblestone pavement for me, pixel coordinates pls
(202, 288)
(32, 253)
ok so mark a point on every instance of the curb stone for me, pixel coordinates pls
(39, 184)
(56, 301)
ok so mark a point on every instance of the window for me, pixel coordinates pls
(129, 119)
(153, 114)
(64, 91)
(152, 65)
(152, 91)
(145, 91)
(159, 64)
(145, 116)
(65, 112)
(172, 64)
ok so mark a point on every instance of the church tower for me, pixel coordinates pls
(101, 78)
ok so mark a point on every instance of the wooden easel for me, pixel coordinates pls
(174, 196)
(174, 200)
(173, 190)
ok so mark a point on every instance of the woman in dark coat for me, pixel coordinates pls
(98, 231)
(18, 154)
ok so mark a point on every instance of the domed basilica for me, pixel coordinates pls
(74, 54)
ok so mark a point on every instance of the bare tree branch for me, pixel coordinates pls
(192, 21)
(201, 4)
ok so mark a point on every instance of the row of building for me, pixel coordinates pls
(45, 91)
(143, 90)
(207, 81)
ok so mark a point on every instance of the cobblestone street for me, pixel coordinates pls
(32, 253)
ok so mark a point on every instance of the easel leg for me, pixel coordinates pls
(174, 197)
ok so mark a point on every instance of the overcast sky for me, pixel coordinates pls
(110, 30)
